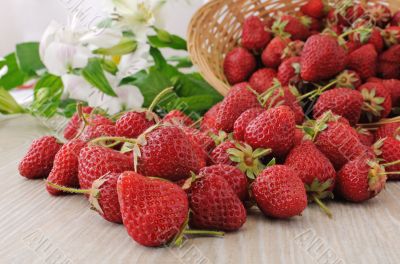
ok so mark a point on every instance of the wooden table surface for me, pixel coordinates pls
(38, 228)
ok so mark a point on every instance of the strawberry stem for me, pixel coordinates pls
(391, 163)
(118, 139)
(158, 98)
(67, 189)
(204, 233)
(317, 91)
(322, 206)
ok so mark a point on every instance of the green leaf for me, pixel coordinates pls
(47, 96)
(14, 77)
(197, 103)
(173, 42)
(67, 107)
(126, 46)
(94, 74)
(181, 62)
(28, 58)
(159, 60)
(8, 105)
(194, 84)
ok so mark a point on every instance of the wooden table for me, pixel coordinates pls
(38, 228)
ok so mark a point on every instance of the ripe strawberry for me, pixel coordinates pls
(214, 205)
(65, 167)
(176, 117)
(153, 211)
(364, 61)
(365, 34)
(262, 79)
(238, 100)
(391, 35)
(289, 71)
(288, 26)
(360, 180)
(272, 54)
(341, 101)
(236, 179)
(254, 35)
(377, 101)
(393, 86)
(387, 130)
(365, 137)
(391, 154)
(98, 131)
(166, 152)
(315, 8)
(279, 192)
(273, 129)
(209, 121)
(389, 63)
(322, 58)
(75, 124)
(298, 136)
(293, 49)
(244, 119)
(239, 64)
(97, 161)
(201, 143)
(395, 19)
(346, 15)
(132, 124)
(352, 46)
(348, 79)
(38, 161)
(380, 14)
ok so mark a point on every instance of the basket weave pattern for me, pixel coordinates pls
(216, 29)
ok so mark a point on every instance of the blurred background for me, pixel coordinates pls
(26, 20)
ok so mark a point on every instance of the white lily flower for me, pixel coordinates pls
(102, 37)
(134, 62)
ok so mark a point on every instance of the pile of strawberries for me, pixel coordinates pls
(311, 116)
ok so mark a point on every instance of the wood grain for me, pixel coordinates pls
(37, 228)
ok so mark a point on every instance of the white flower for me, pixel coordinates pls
(102, 37)
(134, 62)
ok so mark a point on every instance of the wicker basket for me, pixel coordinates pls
(216, 28)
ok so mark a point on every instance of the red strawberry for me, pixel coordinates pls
(262, 79)
(380, 14)
(153, 211)
(389, 63)
(273, 129)
(97, 161)
(98, 131)
(209, 121)
(289, 71)
(387, 130)
(220, 154)
(315, 8)
(367, 35)
(352, 46)
(365, 137)
(65, 167)
(348, 79)
(254, 35)
(341, 101)
(38, 161)
(391, 35)
(201, 143)
(236, 179)
(391, 154)
(75, 124)
(132, 124)
(395, 19)
(272, 54)
(360, 180)
(346, 15)
(176, 117)
(293, 49)
(288, 26)
(393, 86)
(167, 152)
(279, 192)
(322, 58)
(238, 100)
(298, 136)
(243, 120)
(364, 61)
(377, 101)
(214, 205)
(239, 64)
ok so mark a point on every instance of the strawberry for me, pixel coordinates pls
(214, 204)
(293, 49)
(298, 136)
(176, 117)
(393, 86)
(201, 143)
(166, 152)
(366, 137)
(97, 161)
(348, 79)
(254, 34)
(65, 167)
(273, 129)
(279, 192)
(391, 35)
(238, 100)
(360, 180)
(289, 71)
(346, 15)
(239, 64)
(364, 61)
(388, 130)
(390, 153)
(209, 121)
(98, 131)
(395, 19)
(365, 34)
(75, 124)
(380, 14)
(341, 101)
(153, 210)
(288, 26)
(243, 120)
(262, 79)
(132, 124)
(220, 154)
(236, 179)
(389, 63)
(377, 101)
(322, 58)
(272, 54)
(315, 8)
(38, 161)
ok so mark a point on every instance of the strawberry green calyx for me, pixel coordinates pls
(317, 192)
(270, 96)
(248, 161)
(372, 103)
(377, 146)
(221, 137)
(391, 37)
(312, 128)
(278, 28)
(347, 79)
(377, 177)
(293, 49)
